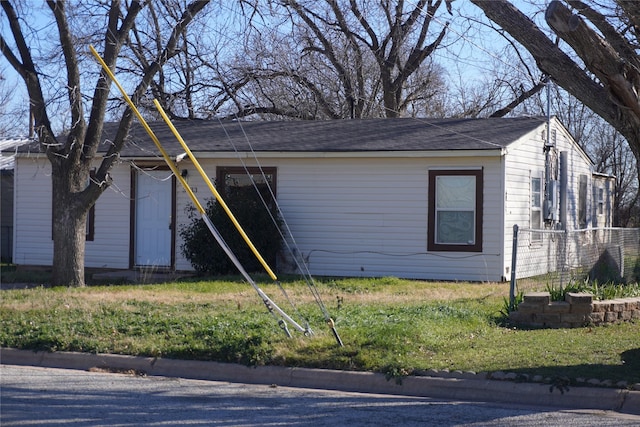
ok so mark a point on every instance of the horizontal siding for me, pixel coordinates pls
(349, 217)
(368, 217)
(110, 247)
(33, 220)
(32, 231)
(365, 218)
(578, 166)
(521, 165)
(526, 159)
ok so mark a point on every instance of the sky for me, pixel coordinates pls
(467, 55)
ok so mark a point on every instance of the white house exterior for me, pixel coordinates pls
(8, 147)
(413, 198)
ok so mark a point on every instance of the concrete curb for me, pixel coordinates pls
(624, 401)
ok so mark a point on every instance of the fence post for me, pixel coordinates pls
(514, 254)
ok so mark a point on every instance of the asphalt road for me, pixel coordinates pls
(48, 396)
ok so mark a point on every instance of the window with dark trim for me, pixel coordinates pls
(455, 210)
(238, 179)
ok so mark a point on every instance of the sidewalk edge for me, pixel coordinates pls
(624, 401)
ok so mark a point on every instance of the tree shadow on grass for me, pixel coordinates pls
(561, 377)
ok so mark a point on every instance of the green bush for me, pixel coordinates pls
(205, 254)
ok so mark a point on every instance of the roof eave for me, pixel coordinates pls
(349, 154)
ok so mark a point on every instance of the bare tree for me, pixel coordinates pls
(506, 89)
(606, 147)
(599, 64)
(183, 84)
(513, 77)
(339, 59)
(71, 156)
(10, 112)
(611, 155)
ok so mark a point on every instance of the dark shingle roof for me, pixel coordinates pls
(402, 134)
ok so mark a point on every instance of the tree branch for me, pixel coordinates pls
(27, 71)
(549, 57)
(373, 38)
(621, 77)
(251, 110)
(149, 73)
(328, 49)
(75, 139)
(114, 39)
(521, 98)
(613, 37)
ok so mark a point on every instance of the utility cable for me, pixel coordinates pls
(222, 203)
(302, 266)
(271, 306)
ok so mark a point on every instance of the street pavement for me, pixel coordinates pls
(70, 397)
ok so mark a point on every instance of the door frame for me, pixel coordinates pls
(132, 213)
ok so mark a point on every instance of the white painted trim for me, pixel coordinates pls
(503, 217)
(318, 155)
(454, 168)
(348, 154)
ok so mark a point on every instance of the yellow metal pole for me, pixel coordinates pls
(214, 190)
(144, 123)
(271, 306)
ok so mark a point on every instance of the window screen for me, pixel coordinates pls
(455, 210)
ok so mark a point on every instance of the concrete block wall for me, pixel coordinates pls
(577, 310)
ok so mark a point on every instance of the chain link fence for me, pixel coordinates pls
(557, 258)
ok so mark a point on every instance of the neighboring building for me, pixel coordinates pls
(8, 148)
(603, 188)
(413, 198)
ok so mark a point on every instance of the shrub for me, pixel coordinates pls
(600, 292)
(508, 306)
(205, 254)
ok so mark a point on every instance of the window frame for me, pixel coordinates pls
(533, 206)
(600, 201)
(536, 237)
(432, 244)
(221, 171)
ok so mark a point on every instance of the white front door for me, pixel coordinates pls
(153, 218)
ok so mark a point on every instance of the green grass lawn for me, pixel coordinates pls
(398, 327)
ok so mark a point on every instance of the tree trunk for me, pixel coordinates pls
(71, 160)
(389, 92)
(613, 95)
(69, 225)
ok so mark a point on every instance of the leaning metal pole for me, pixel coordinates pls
(213, 190)
(205, 177)
(271, 306)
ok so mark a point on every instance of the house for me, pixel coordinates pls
(7, 148)
(406, 197)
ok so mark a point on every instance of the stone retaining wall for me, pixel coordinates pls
(577, 310)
